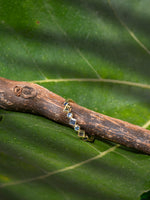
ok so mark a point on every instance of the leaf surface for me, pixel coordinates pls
(96, 53)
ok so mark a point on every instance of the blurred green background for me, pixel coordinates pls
(51, 42)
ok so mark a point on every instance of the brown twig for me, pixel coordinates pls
(32, 98)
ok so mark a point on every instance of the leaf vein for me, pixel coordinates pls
(129, 83)
(67, 36)
(41, 177)
(128, 30)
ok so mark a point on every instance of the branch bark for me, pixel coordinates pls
(32, 98)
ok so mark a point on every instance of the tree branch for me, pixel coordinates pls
(32, 98)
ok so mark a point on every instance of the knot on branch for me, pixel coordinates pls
(25, 92)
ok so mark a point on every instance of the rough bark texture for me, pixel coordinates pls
(32, 98)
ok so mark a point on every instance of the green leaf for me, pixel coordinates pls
(96, 53)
